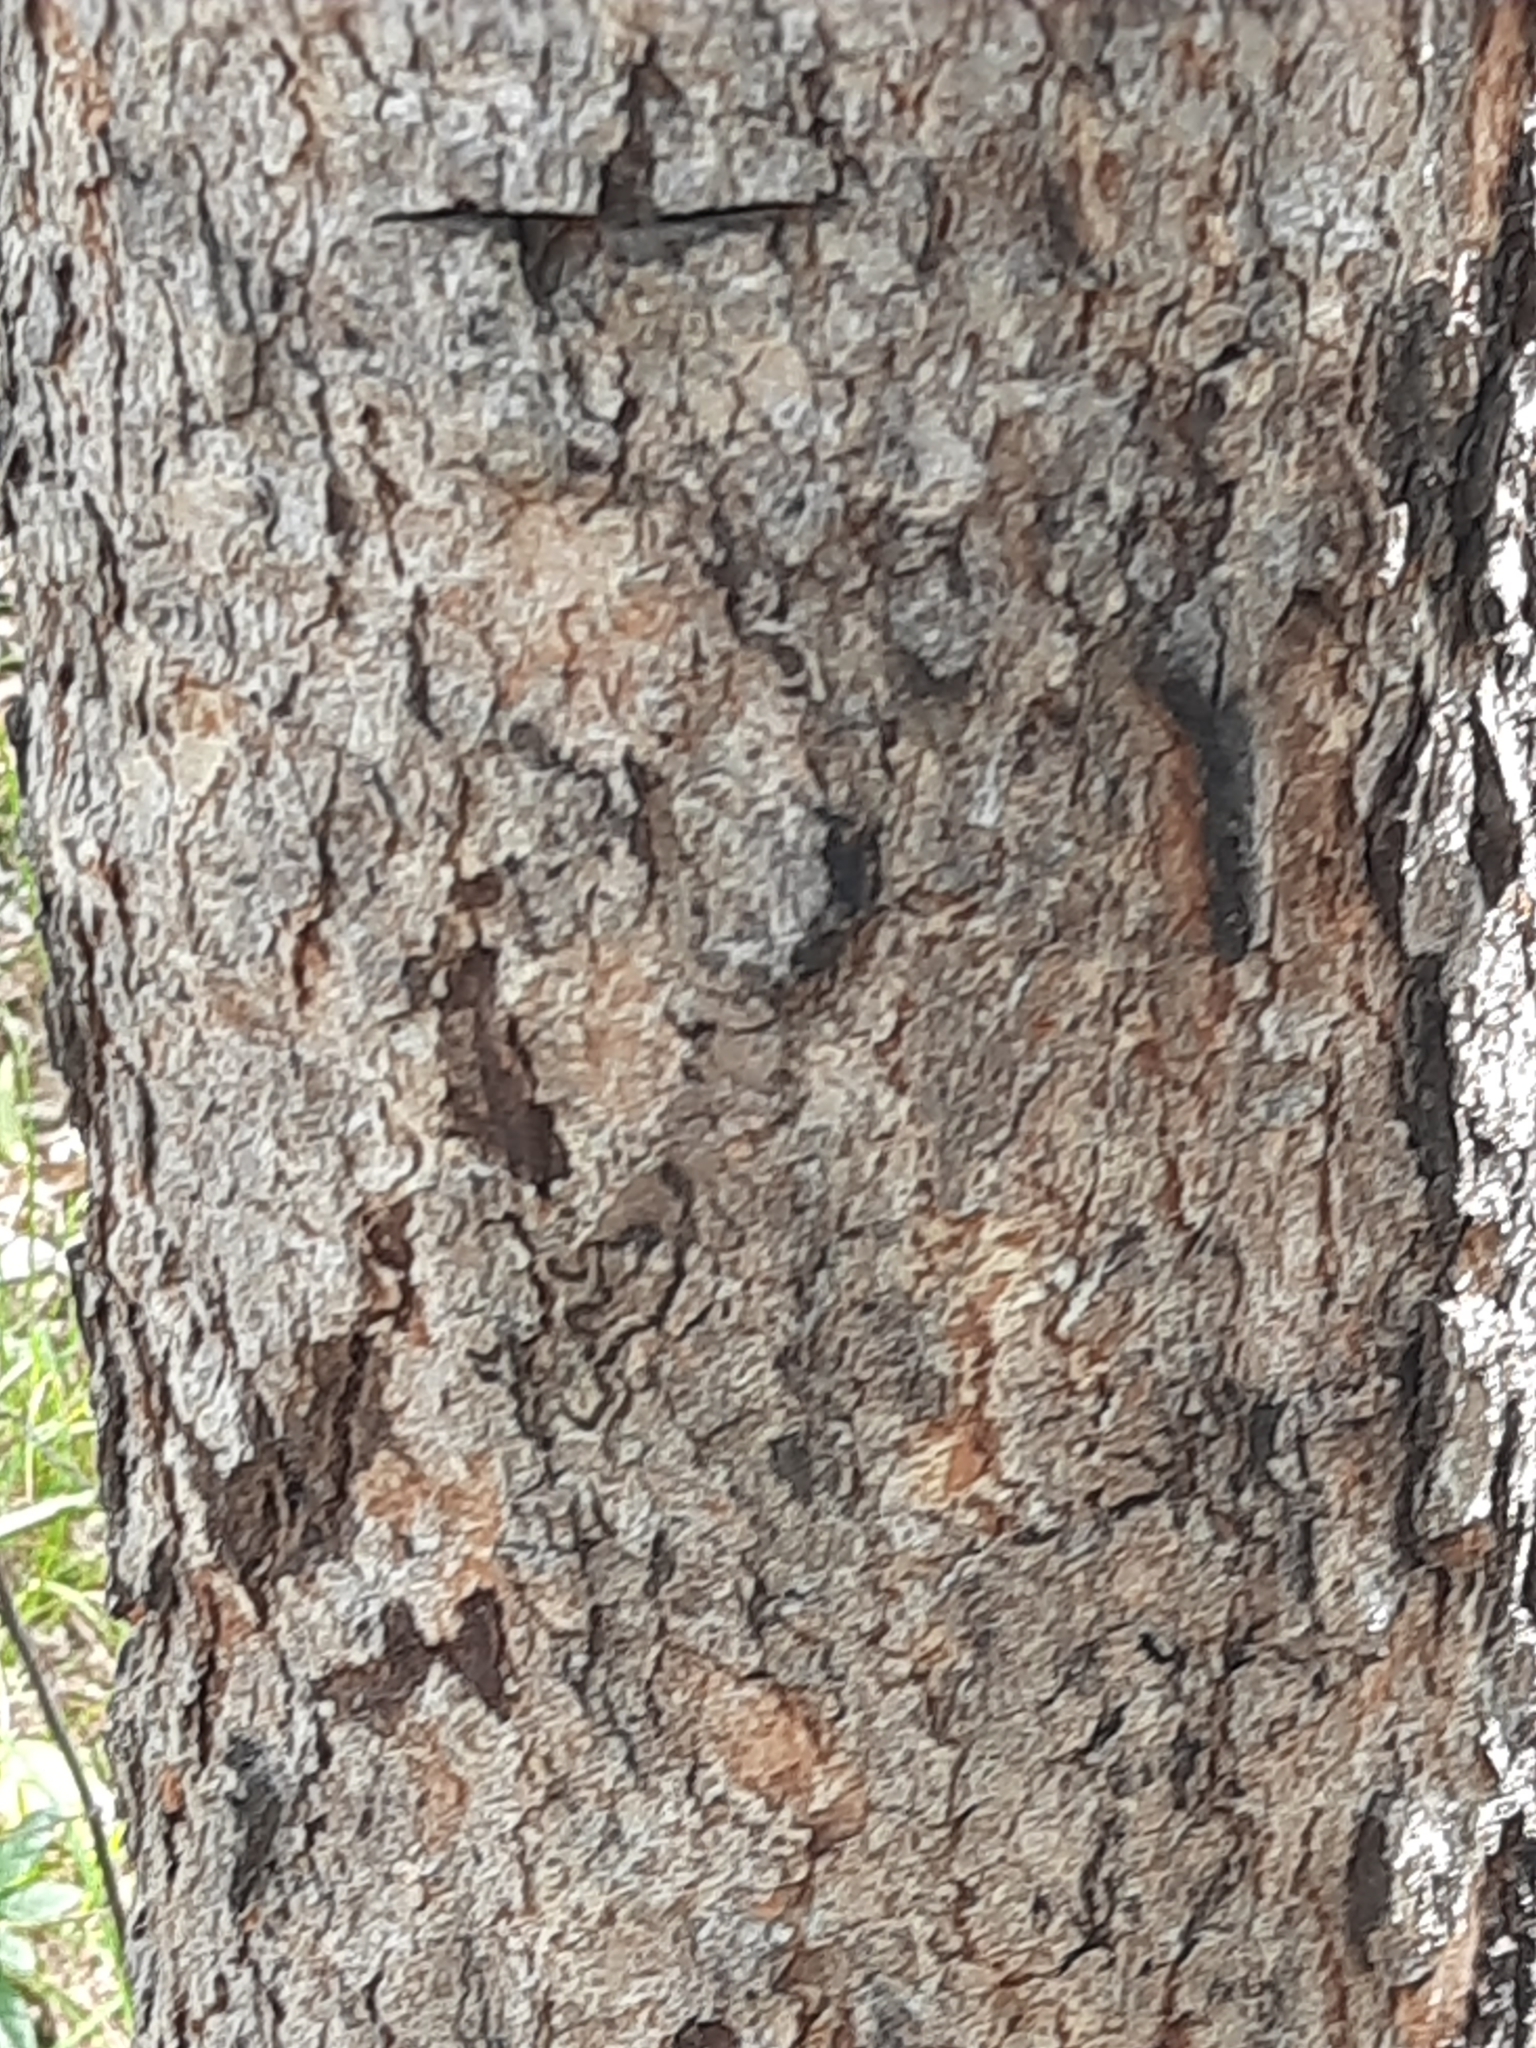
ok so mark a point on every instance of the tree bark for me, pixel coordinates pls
(781, 756)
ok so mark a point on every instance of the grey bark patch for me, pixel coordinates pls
(938, 618)
(1506, 323)
(490, 1084)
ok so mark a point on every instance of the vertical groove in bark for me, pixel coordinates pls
(783, 762)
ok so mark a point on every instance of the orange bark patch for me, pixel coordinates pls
(625, 1062)
(463, 1514)
(1482, 1257)
(599, 622)
(197, 708)
(1433, 2014)
(768, 1742)
(222, 1612)
(841, 1821)
(95, 236)
(972, 1453)
(393, 1490)
(1501, 86)
(79, 74)
(1402, 1686)
(953, 1467)
(441, 1794)
(1178, 854)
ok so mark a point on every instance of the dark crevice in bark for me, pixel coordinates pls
(1220, 733)
(479, 1651)
(1386, 827)
(512, 1367)
(18, 729)
(1503, 1584)
(754, 593)
(1368, 1879)
(1414, 441)
(625, 194)
(342, 521)
(418, 677)
(1423, 1376)
(380, 1690)
(490, 1083)
(387, 1238)
(705, 2034)
(1503, 2001)
(1429, 1094)
(310, 953)
(76, 1042)
(555, 248)
(288, 1505)
(258, 1805)
(108, 1392)
(113, 586)
(852, 855)
(1443, 463)
(1493, 837)
(1180, 653)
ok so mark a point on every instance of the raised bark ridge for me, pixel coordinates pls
(783, 761)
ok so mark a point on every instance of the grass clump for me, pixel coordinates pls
(62, 1980)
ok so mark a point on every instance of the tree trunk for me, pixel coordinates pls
(781, 756)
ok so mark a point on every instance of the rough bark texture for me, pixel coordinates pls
(782, 755)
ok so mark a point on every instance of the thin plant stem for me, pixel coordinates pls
(58, 1728)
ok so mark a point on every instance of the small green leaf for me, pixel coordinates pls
(40, 1904)
(16, 2028)
(23, 1848)
(18, 1958)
